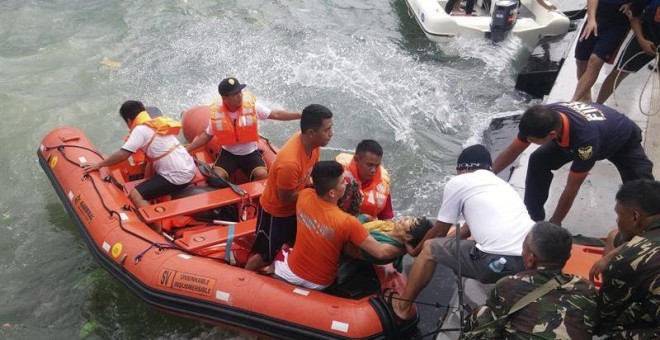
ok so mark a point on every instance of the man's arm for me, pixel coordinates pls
(508, 155)
(199, 140)
(590, 26)
(379, 250)
(287, 196)
(573, 183)
(439, 229)
(113, 159)
(647, 45)
(284, 115)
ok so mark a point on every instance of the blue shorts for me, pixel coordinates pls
(272, 232)
(612, 30)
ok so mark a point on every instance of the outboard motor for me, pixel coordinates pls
(503, 19)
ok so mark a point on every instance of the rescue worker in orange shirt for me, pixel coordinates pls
(373, 181)
(234, 124)
(322, 231)
(289, 174)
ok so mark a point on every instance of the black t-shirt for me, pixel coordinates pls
(608, 13)
(595, 132)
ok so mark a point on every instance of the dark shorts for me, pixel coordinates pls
(247, 163)
(611, 33)
(474, 262)
(632, 58)
(272, 232)
(158, 186)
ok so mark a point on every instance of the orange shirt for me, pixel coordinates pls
(290, 171)
(322, 230)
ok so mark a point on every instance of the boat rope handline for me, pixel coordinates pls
(112, 213)
(270, 145)
(62, 146)
(431, 304)
(159, 246)
(655, 72)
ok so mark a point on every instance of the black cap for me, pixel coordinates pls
(229, 86)
(474, 157)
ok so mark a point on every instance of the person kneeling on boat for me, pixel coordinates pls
(233, 122)
(497, 220)
(174, 167)
(322, 231)
(364, 171)
(541, 302)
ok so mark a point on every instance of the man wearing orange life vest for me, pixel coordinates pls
(234, 124)
(174, 167)
(290, 173)
(373, 180)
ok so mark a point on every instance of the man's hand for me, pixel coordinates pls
(598, 268)
(647, 46)
(91, 167)
(590, 27)
(625, 9)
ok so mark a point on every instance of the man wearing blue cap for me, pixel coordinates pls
(233, 123)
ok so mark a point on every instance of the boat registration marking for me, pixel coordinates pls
(339, 326)
(223, 296)
(82, 160)
(106, 246)
(186, 282)
(301, 291)
(123, 216)
(70, 195)
(185, 256)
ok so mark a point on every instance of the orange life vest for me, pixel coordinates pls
(374, 196)
(161, 126)
(241, 130)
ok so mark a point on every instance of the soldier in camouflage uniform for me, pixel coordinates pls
(565, 312)
(629, 298)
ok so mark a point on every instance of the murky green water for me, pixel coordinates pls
(73, 62)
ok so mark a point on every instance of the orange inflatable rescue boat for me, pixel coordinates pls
(195, 267)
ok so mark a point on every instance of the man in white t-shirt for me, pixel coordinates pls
(234, 124)
(174, 168)
(495, 216)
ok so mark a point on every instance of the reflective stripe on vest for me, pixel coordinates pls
(243, 130)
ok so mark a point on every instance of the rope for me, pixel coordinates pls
(656, 59)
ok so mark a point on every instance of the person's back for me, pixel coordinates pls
(540, 302)
(597, 126)
(494, 211)
(567, 313)
(321, 232)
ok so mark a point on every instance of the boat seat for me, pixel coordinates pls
(194, 240)
(201, 202)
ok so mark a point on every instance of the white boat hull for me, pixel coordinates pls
(442, 27)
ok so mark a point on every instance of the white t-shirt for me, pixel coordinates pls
(242, 149)
(493, 210)
(177, 167)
